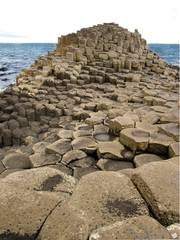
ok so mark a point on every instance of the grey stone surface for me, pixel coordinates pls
(32, 195)
(142, 227)
(158, 183)
(107, 197)
(113, 165)
(16, 160)
(142, 159)
(60, 147)
(85, 144)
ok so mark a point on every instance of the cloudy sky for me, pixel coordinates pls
(45, 20)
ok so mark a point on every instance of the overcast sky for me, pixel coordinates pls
(44, 20)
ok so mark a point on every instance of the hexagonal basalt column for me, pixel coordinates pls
(135, 139)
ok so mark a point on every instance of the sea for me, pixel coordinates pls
(16, 56)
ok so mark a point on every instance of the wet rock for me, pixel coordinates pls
(142, 227)
(107, 197)
(158, 184)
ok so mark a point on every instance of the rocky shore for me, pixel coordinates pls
(89, 142)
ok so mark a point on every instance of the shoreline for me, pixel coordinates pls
(90, 138)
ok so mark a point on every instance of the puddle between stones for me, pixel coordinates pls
(103, 137)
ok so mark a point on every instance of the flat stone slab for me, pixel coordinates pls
(135, 139)
(119, 123)
(73, 155)
(16, 160)
(142, 159)
(85, 144)
(65, 222)
(107, 197)
(113, 150)
(65, 134)
(170, 130)
(28, 197)
(40, 159)
(113, 165)
(142, 227)
(159, 143)
(158, 183)
(60, 147)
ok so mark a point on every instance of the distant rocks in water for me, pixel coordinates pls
(90, 143)
(3, 69)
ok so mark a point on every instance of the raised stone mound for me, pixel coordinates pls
(100, 110)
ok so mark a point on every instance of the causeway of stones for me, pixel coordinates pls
(97, 121)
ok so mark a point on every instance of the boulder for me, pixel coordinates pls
(142, 227)
(107, 197)
(158, 183)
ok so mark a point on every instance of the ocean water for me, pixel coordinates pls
(16, 56)
(168, 52)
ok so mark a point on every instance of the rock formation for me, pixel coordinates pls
(89, 142)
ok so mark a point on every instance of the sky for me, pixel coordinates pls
(45, 20)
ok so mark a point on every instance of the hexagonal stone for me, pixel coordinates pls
(107, 197)
(65, 134)
(85, 144)
(73, 155)
(60, 147)
(65, 222)
(158, 183)
(32, 195)
(142, 159)
(170, 130)
(142, 227)
(113, 165)
(42, 159)
(147, 127)
(16, 160)
(113, 150)
(40, 147)
(135, 139)
(173, 150)
(119, 123)
(159, 143)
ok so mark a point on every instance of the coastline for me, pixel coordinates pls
(89, 137)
